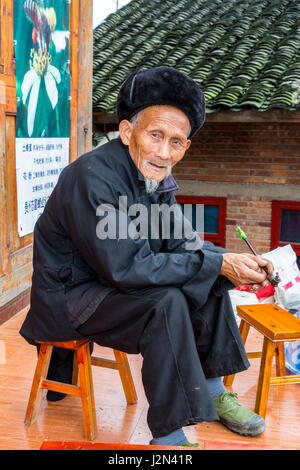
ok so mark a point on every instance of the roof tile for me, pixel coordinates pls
(244, 54)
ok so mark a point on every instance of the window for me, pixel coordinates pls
(214, 216)
(286, 225)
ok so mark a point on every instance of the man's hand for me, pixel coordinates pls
(245, 269)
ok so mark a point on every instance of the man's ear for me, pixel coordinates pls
(125, 129)
(188, 143)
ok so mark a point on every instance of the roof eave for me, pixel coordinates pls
(274, 115)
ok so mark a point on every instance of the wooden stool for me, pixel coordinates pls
(277, 326)
(82, 369)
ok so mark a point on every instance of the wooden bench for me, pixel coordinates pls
(277, 327)
(82, 370)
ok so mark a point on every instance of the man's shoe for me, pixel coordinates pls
(237, 418)
(189, 444)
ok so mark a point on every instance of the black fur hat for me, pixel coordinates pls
(161, 86)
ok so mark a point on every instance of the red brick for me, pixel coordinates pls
(294, 181)
(252, 180)
(282, 173)
(230, 222)
(275, 180)
(238, 204)
(265, 224)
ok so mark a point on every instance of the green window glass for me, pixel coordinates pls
(194, 213)
(290, 226)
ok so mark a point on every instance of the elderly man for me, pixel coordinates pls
(97, 274)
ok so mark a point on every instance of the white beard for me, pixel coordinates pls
(151, 186)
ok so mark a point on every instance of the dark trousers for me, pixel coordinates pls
(180, 347)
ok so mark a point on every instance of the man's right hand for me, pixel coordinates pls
(244, 269)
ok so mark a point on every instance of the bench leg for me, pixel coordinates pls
(36, 394)
(87, 392)
(126, 377)
(264, 377)
(244, 330)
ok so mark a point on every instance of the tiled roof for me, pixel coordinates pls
(244, 54)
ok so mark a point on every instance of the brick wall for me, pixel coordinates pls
(254, 215)
(244, 152)
(249, 154)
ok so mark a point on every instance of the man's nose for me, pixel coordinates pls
(164, 151)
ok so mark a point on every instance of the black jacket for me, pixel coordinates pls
(74, 270)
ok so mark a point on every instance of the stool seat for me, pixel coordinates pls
(81, 369)
(73, 345)
(272, 321)
(277, 327)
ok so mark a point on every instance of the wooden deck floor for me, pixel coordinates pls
(117, 422)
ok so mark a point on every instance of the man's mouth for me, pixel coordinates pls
(157, 167)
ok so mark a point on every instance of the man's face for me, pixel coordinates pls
(157, 141)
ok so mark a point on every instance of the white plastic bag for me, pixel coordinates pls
(292, 353)
(238, 297)
(287, 294)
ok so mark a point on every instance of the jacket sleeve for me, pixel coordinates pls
(127, 263)
(192, 241)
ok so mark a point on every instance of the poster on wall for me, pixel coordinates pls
(41, 42)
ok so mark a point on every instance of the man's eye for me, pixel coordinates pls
(155, 135)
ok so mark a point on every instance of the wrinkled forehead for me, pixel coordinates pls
(165, 117)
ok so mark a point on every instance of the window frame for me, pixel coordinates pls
(216, 238)
(277, 207)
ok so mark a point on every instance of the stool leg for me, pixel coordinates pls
(75, 370)
(264, 377)
(36, 394)
(244, 330)
(280, 359)
(87, 392)
(126, 377)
